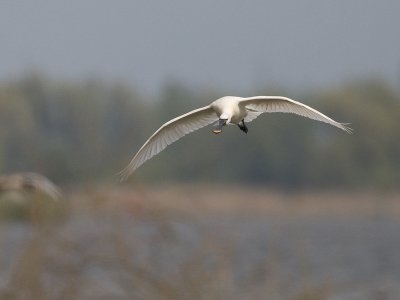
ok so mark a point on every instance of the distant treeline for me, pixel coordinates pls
(87, 131)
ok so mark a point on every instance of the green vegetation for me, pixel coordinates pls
(84, 132)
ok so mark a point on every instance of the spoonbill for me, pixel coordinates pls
(30, 182)
(228, 110)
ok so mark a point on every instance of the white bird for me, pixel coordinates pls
(30, 182)
(228, 110)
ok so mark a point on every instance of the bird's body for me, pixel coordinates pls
(231, 108)
(228, 110)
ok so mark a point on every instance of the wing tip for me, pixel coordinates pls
(345, 127)
(124, 174)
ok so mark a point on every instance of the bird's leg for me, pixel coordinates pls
(243, 126)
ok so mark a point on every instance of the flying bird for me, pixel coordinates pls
(29, 182)
(228, 110)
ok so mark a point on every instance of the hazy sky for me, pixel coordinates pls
(231, 45)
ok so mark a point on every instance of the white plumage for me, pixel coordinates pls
(226, 110)
(30, 182)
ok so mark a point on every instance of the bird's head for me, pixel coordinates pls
(226, 117)
(223, 120)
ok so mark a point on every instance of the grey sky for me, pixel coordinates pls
(231, 45)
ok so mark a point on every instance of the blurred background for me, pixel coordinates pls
(293, 210)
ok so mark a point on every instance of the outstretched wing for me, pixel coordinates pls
(266, 104)
(251, 115)
(168, 133)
